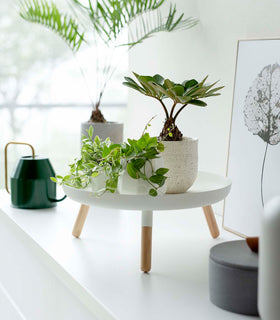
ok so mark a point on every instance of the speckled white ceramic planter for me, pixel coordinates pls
(98, 182)
(128, 185)
(181, 158)
(113, 130)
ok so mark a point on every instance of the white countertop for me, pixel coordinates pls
(102, 267)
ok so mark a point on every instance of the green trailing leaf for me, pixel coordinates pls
(153, 193)
(162, 171)
(157, 178)
(95, 174)
(160, 147)
(138, 163)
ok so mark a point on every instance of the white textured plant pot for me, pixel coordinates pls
(97, 183)
(113, 130)
(181, 158)
(128, 185)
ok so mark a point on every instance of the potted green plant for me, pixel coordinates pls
(108, 167)
(180, 154)
(104, 23)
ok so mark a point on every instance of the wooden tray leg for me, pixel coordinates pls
(80, 221)
(211, 221)
(146, 242)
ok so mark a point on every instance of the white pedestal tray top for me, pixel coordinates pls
(208, 188)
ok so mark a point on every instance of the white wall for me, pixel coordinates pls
(209, 48)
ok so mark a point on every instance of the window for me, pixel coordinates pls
(43, 95)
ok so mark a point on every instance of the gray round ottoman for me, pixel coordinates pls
(233, 277)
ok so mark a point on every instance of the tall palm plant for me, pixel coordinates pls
(105, 21)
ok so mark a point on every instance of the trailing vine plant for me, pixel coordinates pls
(106, 158)
(105, 21)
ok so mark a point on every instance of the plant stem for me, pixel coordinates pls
(263, 172)
(172, 109)
(177, 113)
(164, 107)
(147, 125)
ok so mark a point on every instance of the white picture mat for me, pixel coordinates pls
(243, 206)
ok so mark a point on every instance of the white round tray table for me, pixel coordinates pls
(208, 188)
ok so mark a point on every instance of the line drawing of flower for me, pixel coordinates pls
(262, 109)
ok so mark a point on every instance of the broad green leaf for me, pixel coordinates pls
(131, 171)
(158, 79)
(159, 89)
(105, 151)
(160, 147)
(95, 174)
(184, 99)
(65, 178)
(168, 84)
(152, 142)
(171, 94)
(162, 181)
(138, 163)
(141, 143)
(156, 178)
(114, 146)
(150, 154)
(153, 192)
(189, 83)
(162, 171)
(145, 79)
(214, 90)
(178, 90)
(90, 132)
(146, 137)
(198, 103)
(135, 87)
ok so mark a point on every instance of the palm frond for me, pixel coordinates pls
(111, 17)
(47, 14)
(144, 29)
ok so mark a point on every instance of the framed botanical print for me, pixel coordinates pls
(254, 151)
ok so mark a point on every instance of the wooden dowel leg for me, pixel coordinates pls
(146, 249)
(211, 221)
(146, 241)
(80, 221)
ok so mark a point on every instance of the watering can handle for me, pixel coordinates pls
(6, 160)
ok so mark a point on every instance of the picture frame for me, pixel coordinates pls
(254, 150)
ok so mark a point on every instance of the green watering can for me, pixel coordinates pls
(31, 186)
